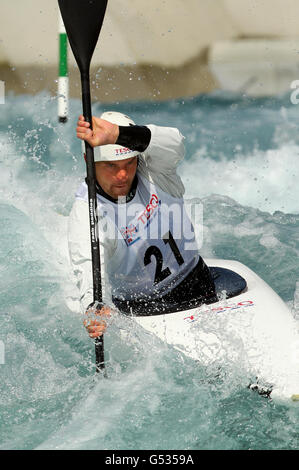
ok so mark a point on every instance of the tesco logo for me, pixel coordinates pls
(149, 209)
(195, 316)
(122, 151)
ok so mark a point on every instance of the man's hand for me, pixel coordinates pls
(95, 323)
(102, 133)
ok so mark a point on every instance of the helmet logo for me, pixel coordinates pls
(122, 151)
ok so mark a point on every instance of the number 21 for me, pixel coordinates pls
(160, 273)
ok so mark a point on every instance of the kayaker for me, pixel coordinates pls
(147, 240)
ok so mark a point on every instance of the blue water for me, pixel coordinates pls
(242, 162)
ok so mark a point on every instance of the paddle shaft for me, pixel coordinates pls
(93, 218)
(83, 21)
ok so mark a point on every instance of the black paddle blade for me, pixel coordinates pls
(83, 21)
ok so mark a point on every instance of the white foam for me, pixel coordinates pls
(267, 180)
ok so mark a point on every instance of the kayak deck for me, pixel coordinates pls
(249, 323)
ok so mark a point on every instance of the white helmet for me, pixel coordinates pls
(110, 152)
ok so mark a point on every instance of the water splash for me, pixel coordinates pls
(50, 397)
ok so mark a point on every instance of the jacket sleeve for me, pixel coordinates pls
(80, 253)
(159, 162)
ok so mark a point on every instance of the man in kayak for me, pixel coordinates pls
(147, 241)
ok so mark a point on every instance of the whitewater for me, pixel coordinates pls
(242, 164)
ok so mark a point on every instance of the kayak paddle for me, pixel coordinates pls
(83, 21)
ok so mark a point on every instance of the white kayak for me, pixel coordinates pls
(255, 325)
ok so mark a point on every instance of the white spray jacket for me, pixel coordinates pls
(157, 165)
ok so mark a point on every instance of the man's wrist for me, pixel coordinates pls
(115, 133)
(134, 137)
